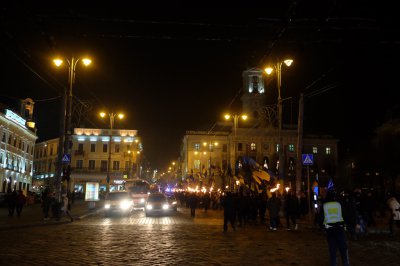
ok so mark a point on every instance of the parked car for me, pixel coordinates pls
(119, 202)
(157, 204)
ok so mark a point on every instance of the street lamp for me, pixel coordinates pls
(235, 120)
(66, 114)
(278, 69)
(210, 146)
(112, 118)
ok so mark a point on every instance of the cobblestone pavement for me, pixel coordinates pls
(180, 240)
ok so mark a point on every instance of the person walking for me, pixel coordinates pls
(11, 202)
(335, 232)
(274, 206)
(229, 211)
(20, 202)
(193, 204)
(65, 207)
(291, 209)
(394, 207)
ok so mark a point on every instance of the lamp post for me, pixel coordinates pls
(278, 69)
(210, 147)
(112, 117)
(66, 114)
(235, 126)
(235, 120)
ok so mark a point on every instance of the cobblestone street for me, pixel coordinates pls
(180, 240)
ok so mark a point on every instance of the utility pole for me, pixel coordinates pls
(299, 164)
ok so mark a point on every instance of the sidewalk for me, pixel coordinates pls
(32, 215)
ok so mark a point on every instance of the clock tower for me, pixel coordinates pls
(253, 98)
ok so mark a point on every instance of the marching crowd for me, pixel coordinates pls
(360, 208)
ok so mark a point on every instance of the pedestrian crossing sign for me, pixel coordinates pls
(307, 159)
(66, 158)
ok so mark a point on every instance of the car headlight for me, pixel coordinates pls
(125, 204)
(165, 207)
(107, 206)
(142, 200)
(149, 207)
(174, 203)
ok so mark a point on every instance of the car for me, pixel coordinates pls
(119, 202)
(157, 204)
(173, 202)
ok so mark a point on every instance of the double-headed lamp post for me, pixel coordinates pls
(112, 117)
(235, 126)
(278, 69)
(211, 145)
(66, 114)
(235, 120)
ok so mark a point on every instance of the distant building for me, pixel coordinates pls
(89, 158)
(207, 155)
(18, 136)
(45, 163)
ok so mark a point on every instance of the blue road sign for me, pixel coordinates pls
(66, 158)
(307, 159)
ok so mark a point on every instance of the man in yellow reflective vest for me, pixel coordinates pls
(335, 231)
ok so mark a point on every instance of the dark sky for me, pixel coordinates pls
(173, 69)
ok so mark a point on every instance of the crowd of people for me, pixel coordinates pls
(360, 208)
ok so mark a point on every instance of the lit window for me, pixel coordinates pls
(328, 150)
(79, 164)
(253, 146)
(277, 147)
(115, 165)
(92, 164)
(291, 147)
(314, 150)
(196, 164)
(197, 146)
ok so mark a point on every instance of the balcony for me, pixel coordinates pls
(79, 153)
(99, 170)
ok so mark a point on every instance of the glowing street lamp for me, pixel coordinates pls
(235, 120)
(112, 118)
(65, 120)
(278, 69)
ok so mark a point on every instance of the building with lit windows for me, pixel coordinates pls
(89, 158)
(257, 138)
(45, 164)
(18, 137)
(90, 152)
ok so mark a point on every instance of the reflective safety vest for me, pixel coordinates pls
(332, 212)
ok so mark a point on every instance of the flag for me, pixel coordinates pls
(330, 185)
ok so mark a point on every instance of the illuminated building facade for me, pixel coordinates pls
(18, 136)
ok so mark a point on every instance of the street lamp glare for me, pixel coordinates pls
(288, 62)
(86, 61)
(227, 116)
(268, 70)
(58, 62)
(121, 116)
(244, 117)
(102, 114)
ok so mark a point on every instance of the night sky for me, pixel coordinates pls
(172, 69)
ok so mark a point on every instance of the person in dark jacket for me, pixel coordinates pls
(20, 202)
(291, 209)
(229, 211)
(193, 204)
(11, 201)
(274, 206)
